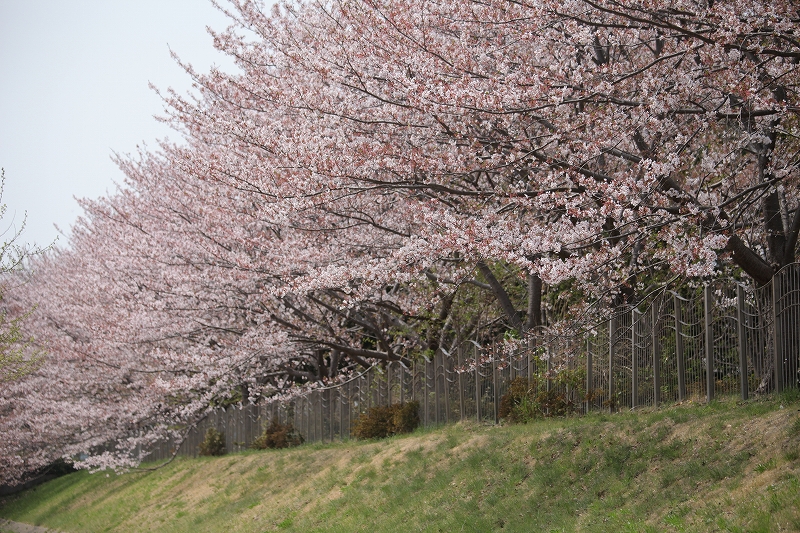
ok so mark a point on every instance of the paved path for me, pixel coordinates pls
(17, 527)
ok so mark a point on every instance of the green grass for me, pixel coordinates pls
(729, 466)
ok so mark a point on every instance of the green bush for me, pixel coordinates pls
(525, 402)
(405, 417)
(518, 390)
(213, 444)
(277, 435)
(385, 421)
(374, 424)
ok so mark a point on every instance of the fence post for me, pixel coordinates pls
(307, 413)
(589, 377)
(425, 392)
(389, 383)
(349, 408)
(319, 413)
(549, 366)
(291, 414)
(656, 355)
(341, 412)
(776, 344)
(331, 411)
(495, 392)
(369, 388)
(634, 360)
(322, 411)
(741, 332)
(402, 383)
(445, 372)
(679, 349)
(570, 365)
(707, 308)
(477, 391)
(436, 392)
(511, 369)
(612, 326)
(316, 415)
(312, 423)
(529, 357)
(460, 355)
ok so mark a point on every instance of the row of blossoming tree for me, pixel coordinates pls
(382, 179)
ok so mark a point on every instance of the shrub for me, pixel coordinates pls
(277, 435)
(405, 417)
(374, 424)
(517, 391)
(213, 444)
(525, 402)
(385, 421)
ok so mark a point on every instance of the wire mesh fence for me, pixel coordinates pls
(721, 338)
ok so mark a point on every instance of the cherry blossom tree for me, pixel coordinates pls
(162, 310)
(15, 360)
(581, 140)
(377, 168)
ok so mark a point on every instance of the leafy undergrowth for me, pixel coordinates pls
(725, 467)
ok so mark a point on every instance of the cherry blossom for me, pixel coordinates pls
(382, 179)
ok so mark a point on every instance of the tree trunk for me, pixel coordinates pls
(534, 318)
(502, 297)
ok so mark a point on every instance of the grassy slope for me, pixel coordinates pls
(724, 467)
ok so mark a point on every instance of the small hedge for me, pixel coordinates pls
(525, 402)
(277, 435)
(213, 444)
(385, 421)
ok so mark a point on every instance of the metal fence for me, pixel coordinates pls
(721, 338)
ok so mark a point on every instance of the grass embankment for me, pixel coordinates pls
(723, 467)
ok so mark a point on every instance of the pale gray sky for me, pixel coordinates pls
(74, 89)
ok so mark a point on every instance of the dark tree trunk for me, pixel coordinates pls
(749, 261)
(534, 318)
(436, 329)
(773, 223)
(502, 297)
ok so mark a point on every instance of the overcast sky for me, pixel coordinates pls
(74, 78)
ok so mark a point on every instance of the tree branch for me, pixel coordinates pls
(749, 261)
(502, 297)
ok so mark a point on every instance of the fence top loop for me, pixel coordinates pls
(335, 385)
